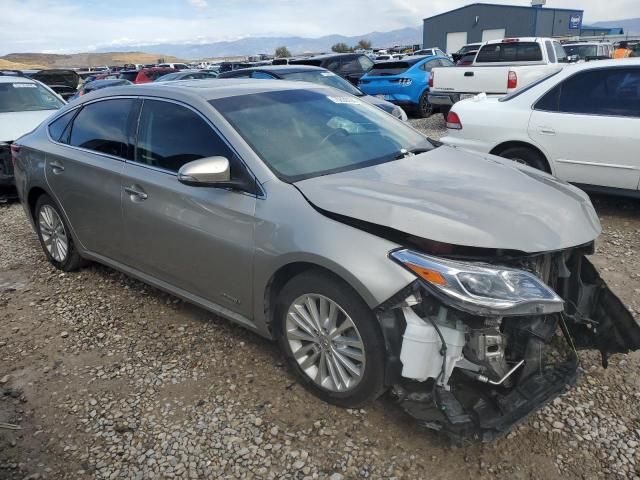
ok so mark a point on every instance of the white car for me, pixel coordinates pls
(582, 124)
(24, 103)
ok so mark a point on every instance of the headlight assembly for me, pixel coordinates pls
(481, 289)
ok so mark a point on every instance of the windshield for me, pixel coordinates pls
(582, 51)
(27, 97)
(324, 78)
(509, 52)
(301, 134)
(169, 76)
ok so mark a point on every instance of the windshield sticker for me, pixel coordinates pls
(25, 85)
(349, 100)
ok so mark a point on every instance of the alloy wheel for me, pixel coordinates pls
(325, 342)
(54, 235)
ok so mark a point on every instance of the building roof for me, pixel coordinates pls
(505, 6)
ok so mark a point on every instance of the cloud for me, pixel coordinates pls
(199, 3)
(84, 25)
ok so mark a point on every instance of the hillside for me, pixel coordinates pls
(631, 25)
(83, 59)
(7, 65)
(296, 45)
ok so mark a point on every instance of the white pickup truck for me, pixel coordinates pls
(500, 67)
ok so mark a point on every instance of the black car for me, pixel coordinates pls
(351, 66)
(63, 82)
(99, 84)
(322, 76)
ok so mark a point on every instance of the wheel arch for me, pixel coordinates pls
(498, 149)
(32, 199)
(289, 270)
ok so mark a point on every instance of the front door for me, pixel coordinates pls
(198, 239)
(590, 126)
(83, 170)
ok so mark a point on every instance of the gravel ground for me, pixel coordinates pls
(109, 378)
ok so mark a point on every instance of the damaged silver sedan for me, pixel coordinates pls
(378, 261)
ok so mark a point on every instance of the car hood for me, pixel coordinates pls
(16, 124)
(456, 197)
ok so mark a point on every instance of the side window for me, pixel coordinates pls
(561, 54)
(446, 63)
(161, 144)
(607, 92)
(59, 129)
(349, 65)
(550, 53)
(430, 65)
(333, 65)
(262, 75)
(365, 62)
(549, 102)
(103, 127)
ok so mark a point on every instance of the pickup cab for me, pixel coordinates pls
(499, 67)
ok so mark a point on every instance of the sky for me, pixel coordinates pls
(68, 26)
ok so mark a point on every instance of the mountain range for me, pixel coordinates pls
(631, 25)
(256, 45)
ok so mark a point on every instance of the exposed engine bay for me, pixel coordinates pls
(473, 368)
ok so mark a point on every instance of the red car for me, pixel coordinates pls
(145, 75)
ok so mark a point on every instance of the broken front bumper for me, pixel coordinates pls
(474, 377)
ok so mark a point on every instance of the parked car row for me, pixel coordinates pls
(377, 260)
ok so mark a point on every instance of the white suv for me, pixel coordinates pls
(24, 103)
(582, 124)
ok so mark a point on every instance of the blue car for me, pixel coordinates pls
(404, 82)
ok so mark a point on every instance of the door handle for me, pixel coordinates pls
(468, 74)
(135, 192)
(56, 167)
(547, 131)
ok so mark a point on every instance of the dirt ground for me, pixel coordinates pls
(105, 377)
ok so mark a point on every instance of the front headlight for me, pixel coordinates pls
(481, 289)
(398, 112)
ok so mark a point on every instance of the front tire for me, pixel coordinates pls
(331, 339)
(527, 156)
(55, 236)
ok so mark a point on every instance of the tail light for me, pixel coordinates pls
(433, 74)
(512, 81)
(453, 121)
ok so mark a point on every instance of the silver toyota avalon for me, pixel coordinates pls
(377, 260)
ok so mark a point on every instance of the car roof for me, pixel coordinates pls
(586, 43)
(282, 69)
(519, 40)
(204, 89)
(620, 62)
(15, 78)
(325, 56)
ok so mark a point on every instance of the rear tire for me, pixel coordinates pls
(445, 111)
(425, 109)
(527, 156)
(325, 353)
(55, 236)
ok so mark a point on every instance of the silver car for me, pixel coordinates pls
(376, 260)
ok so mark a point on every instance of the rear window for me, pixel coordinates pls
(27, 97)
(510, 52)
(390, 68)
(307, 61)
(131, 76)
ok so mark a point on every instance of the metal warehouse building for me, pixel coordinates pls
(480, 22)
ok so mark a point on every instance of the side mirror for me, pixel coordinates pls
(206, 172)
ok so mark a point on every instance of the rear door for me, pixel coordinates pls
(198, 239)
(589, 124)
(83, 168)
